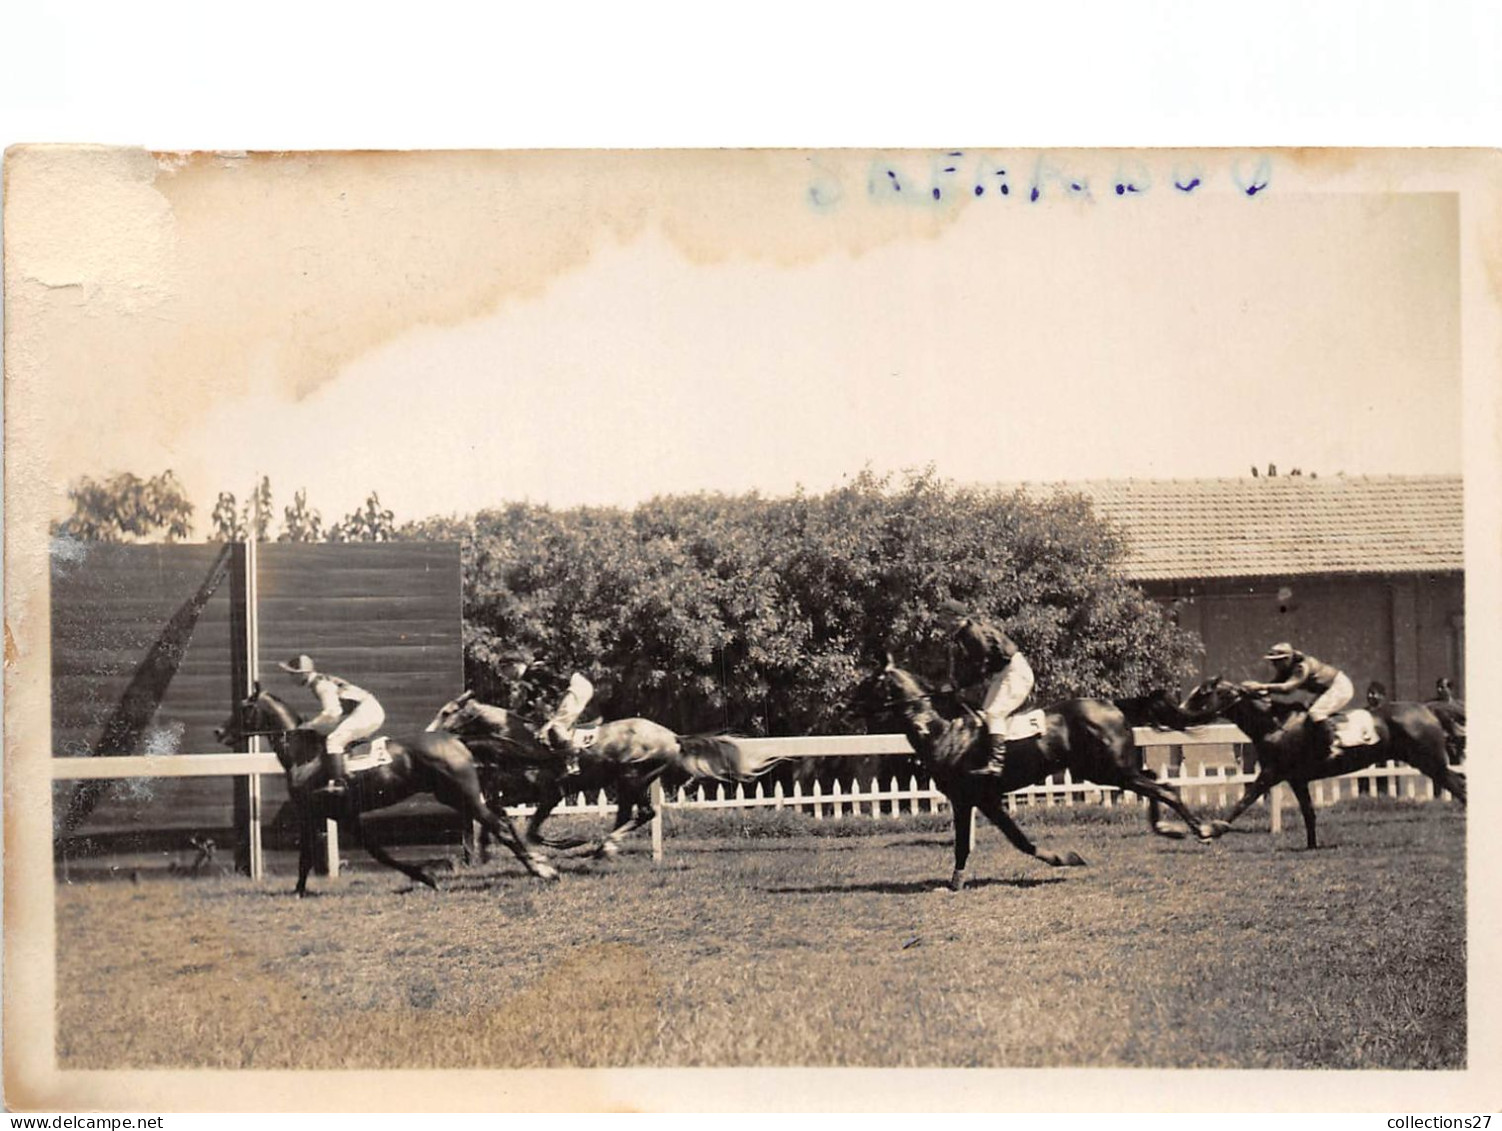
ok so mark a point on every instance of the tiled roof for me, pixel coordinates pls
(1179, 529)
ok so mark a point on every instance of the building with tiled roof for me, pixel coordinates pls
(1283, 526)
(1367, 573)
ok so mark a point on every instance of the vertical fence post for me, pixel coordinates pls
(1275, 809)
(245, 671)
(331, 847)
(657, 804)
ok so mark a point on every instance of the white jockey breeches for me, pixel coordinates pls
(360, 723)
(570, 707)
(1008, 690)
(1338, 696)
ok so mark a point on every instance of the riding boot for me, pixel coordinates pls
(1327, 733)
(996, 765)
(337, 785)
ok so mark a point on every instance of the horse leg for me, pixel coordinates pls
(458, 787)
(964, 810)
(500, 826)
(1254, 790)
(633, 811)
(1145, 786)
(1439, 772)
(545, 806)
(1306, 808)
(381, 856)
(997, 814)
(1155, 819)
(306, 831)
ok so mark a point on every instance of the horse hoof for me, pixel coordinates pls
(1220, 828)
(1169, 831)
(608, 849)
(544, 871)
(957, 881)
(1207, 833)
(1073, 860)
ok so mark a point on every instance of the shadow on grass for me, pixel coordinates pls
(915, 887)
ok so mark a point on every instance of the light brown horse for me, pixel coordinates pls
(625, 755)
(426, 763)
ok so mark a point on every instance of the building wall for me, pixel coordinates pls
(1404, 630)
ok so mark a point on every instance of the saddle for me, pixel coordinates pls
(367, 755)
(1026, 724)
(1354, 728)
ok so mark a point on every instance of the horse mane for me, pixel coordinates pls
(280, 705)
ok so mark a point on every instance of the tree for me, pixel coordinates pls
(372, 523)
(300, 522)
(759, 615)
(225, 520)
(232, 524)
(127, 508)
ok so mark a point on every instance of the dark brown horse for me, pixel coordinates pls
(1450, 712)
(438, 764)
(624, 756)
(1090, 738)
(1290, 749)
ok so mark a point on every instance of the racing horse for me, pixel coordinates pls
(1091, 738)
(438, 764)
(626, 754)
(1291, 749)
(1450, 712)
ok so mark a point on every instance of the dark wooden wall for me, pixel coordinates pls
(386, 616)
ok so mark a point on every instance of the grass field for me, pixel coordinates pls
(762, 944)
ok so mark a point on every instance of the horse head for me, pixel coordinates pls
(450, 715)
(889, 691)
(1213, 698)
(259, 713)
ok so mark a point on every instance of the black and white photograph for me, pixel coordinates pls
(971, 609)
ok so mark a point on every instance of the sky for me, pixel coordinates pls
(602, 330)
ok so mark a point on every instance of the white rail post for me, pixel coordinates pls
(657, 804)
(1275, 809)
(331, 847)
(257, 855)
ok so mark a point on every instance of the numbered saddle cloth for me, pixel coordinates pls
(1025, 724)
(367, 756)
(1354, 728)
(584, 737)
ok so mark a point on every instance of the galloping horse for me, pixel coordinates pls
(1089, 737)
(426, 763)
(1290, 749)
(1450, 712)
(627, 754)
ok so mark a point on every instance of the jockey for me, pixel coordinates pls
(558, 732)
(1296, 671)
(527, 680)
(981, 652)
(348, 714)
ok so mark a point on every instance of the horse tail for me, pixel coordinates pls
(721, 758)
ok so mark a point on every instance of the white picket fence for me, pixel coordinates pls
(871, 800)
